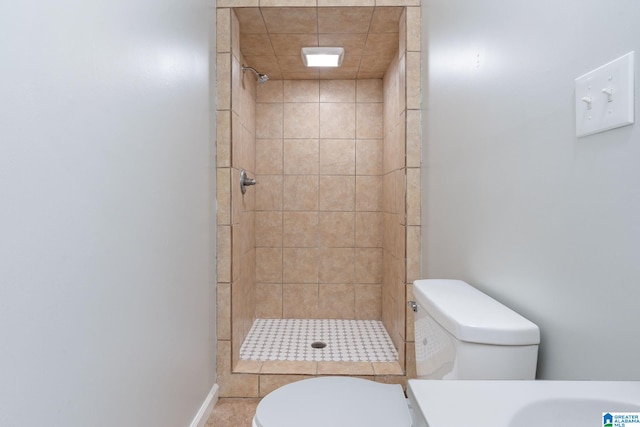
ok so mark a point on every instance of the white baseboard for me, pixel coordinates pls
(200, 420)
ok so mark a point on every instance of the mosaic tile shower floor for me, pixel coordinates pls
(291, 339)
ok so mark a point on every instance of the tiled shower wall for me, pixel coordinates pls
(389, 242)
(401, 188)
(236, 252)
(318, 204)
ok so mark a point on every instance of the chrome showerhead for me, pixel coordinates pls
(262, 78)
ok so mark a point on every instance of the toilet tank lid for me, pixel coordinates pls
(472, 316)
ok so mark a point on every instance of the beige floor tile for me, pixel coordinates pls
(345, 368)
(285, 367)
(233, 412)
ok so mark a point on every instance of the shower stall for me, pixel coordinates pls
(327, 243)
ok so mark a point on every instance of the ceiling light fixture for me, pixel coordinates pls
(322, 56)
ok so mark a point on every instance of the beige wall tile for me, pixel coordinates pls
(300, 301)
(301, 120)
(368, 302)
(410, 315)
(269, 196)
(369, 120)
(336, 266)
(301, 156)
(368, 265)
(301, 91)
(223, 70)
(413, 138)
(410, 354)
(269, 121)
(413, 80)
(300, 265)
(300, 229)
(337, 157)
(369, 90)
(300, 192)
(402, 42)
(369, 229)
(223, 30)
(270, 93)
(235, 33)
(223, 196)
(369, 156)
(269, 156)
(337, 193)
(269, 300)
(337, 229)
(223, 255)
(223, 311)
(413, 29)
(337, 90)
(336, 301)
(337, 120)
(413, 253)
(413, 196)
(268, 228)
(369, 193)
(223, 138)
(269, 265)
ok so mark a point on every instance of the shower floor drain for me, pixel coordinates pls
(318, 344)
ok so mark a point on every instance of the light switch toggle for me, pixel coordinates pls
(604, 97)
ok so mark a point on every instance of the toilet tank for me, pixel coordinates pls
(462, 333)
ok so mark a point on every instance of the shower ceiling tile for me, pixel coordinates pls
(256, 44)
(284, 44)
(354, 20)
(385, 20)
(286, 20)
(291, 28)
(385, 45)
(353, 44)
(251, 21)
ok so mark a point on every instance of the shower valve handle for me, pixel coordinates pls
(245, 181)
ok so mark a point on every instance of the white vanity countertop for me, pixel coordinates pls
(457, 403)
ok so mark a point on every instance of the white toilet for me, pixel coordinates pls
(460, 333)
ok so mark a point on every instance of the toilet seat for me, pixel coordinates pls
(334, 402)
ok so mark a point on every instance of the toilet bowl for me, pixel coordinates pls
(460, 333)
(334, 402)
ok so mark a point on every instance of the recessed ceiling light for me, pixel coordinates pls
(322, 56)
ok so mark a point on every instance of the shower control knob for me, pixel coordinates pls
(245, 181)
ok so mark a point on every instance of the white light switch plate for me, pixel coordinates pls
(604, 97)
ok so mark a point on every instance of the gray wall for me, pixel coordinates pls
(104, 213)
(514, 203)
